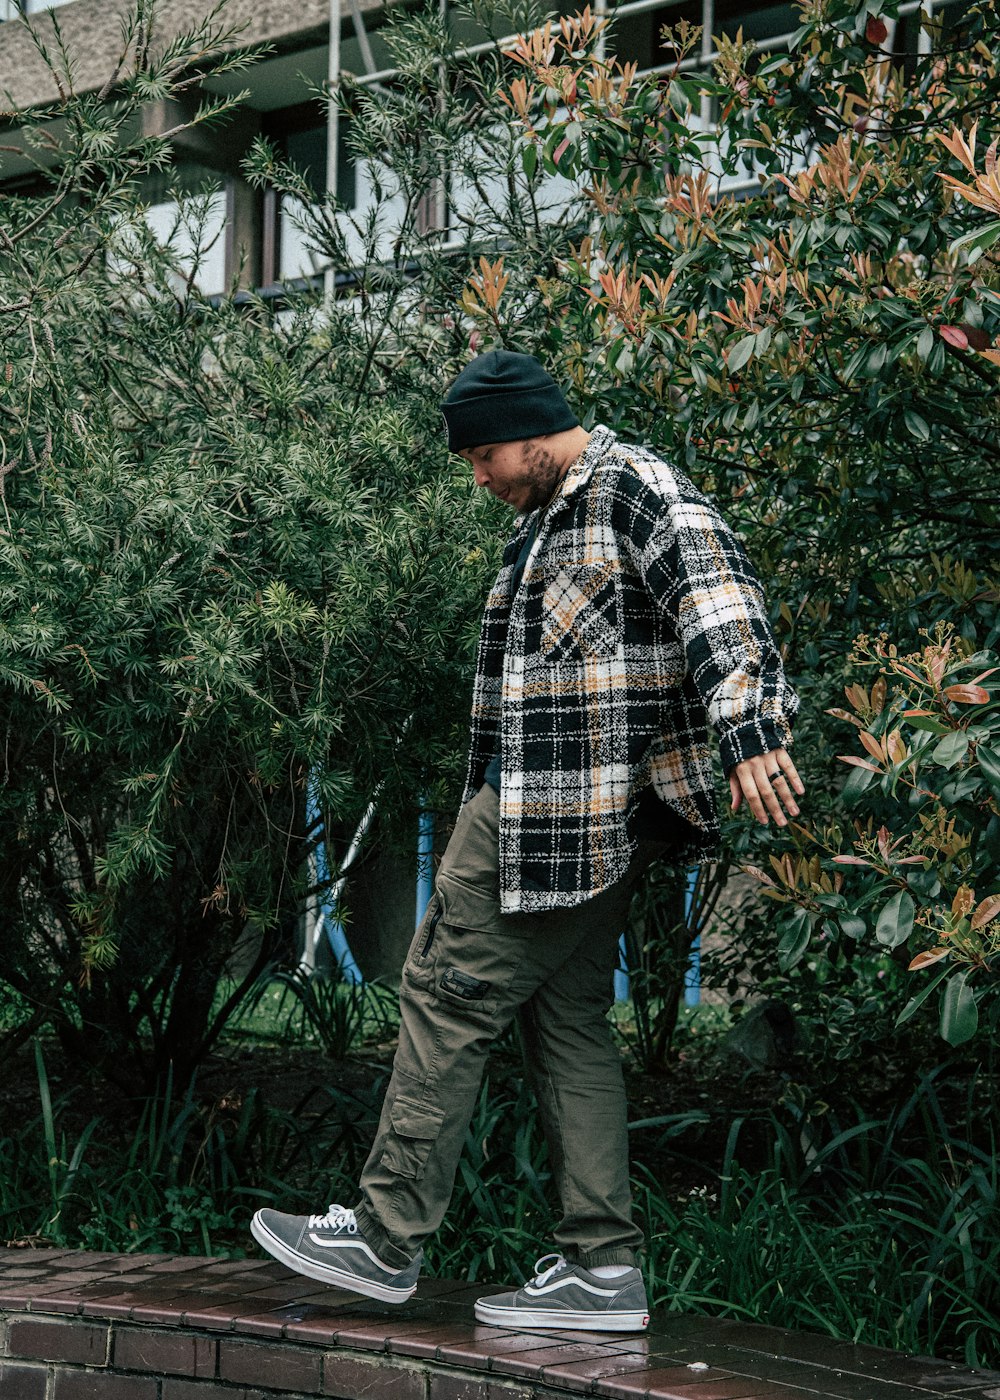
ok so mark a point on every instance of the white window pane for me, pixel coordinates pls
(473, 200)
(195, 231)
(375, 221)
(297, 258)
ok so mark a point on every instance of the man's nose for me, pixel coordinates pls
(480, 474)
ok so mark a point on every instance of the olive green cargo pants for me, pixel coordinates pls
(469, 971)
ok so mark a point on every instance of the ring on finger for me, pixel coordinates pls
(773, 777)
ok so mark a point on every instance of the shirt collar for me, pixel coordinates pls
(580, 470)
(601, 440)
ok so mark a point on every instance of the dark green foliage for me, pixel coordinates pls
(233, 554)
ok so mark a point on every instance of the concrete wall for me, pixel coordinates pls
(91, 31)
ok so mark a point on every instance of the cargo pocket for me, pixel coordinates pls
(474, 960)
(415, 1128)
(419, 965)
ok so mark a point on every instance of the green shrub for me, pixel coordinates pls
(234, 560)
(921, 884)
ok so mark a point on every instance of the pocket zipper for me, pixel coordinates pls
(431, 932)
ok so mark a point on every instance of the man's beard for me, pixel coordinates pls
(540, 476)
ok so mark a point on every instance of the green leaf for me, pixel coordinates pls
(991, 839)
(989, 762)
(925, 342)
(924, 883)
(876, 360)
(952, 749)
(852, 926)
(932, 726)
(959, 1013)
(979, 240)
(529, 160)
(740, 353)
(857, 780)
(915, 425)
(895, 922)
(915, 1003)
(794, 940)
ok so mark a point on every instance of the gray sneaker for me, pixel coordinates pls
(333, 1249)
(564, 1295)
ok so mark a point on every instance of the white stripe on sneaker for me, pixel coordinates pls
(342, 1244)
(570, 1280)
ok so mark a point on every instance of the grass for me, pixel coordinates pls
(288, 1007)
(863, 1239)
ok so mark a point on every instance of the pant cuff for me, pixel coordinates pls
(378, 1239)
(610, 1254)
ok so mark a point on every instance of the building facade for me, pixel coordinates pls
(254, 240)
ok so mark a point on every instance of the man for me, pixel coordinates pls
(624, 618)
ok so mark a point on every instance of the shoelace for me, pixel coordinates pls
(336, 1218)
(543, 1273)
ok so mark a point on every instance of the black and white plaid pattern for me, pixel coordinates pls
(639, 620)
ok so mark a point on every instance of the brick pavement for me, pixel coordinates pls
(84, 1326)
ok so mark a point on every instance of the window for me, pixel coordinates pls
(300, 134)
(186, 210)
(11, 9)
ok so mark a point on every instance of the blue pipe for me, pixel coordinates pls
(425, 863)
(336, 936)
(692, 977)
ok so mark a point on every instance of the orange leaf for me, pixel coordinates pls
(874, 746)
(906, 671)
(843, 714)
(755, 873)
(850, 860)
(898, 751)
(876, 31)
(988, 910)
(858, 762)
(967, 694)
(963, 151)
(931, 955)
(955, 336)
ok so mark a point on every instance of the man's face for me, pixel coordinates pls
(524, 473)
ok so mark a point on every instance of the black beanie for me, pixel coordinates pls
(503, 397)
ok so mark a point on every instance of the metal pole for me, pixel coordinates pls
(601, 13)
(707, 54)
(332, 127)
(425, 862)
(924, 38)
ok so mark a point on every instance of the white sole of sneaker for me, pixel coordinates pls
(326, 1273)
(549, 1320)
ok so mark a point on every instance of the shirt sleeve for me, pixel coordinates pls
(697, 570)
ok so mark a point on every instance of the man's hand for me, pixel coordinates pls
(767, 781)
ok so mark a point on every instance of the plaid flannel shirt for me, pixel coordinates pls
(639, 620)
